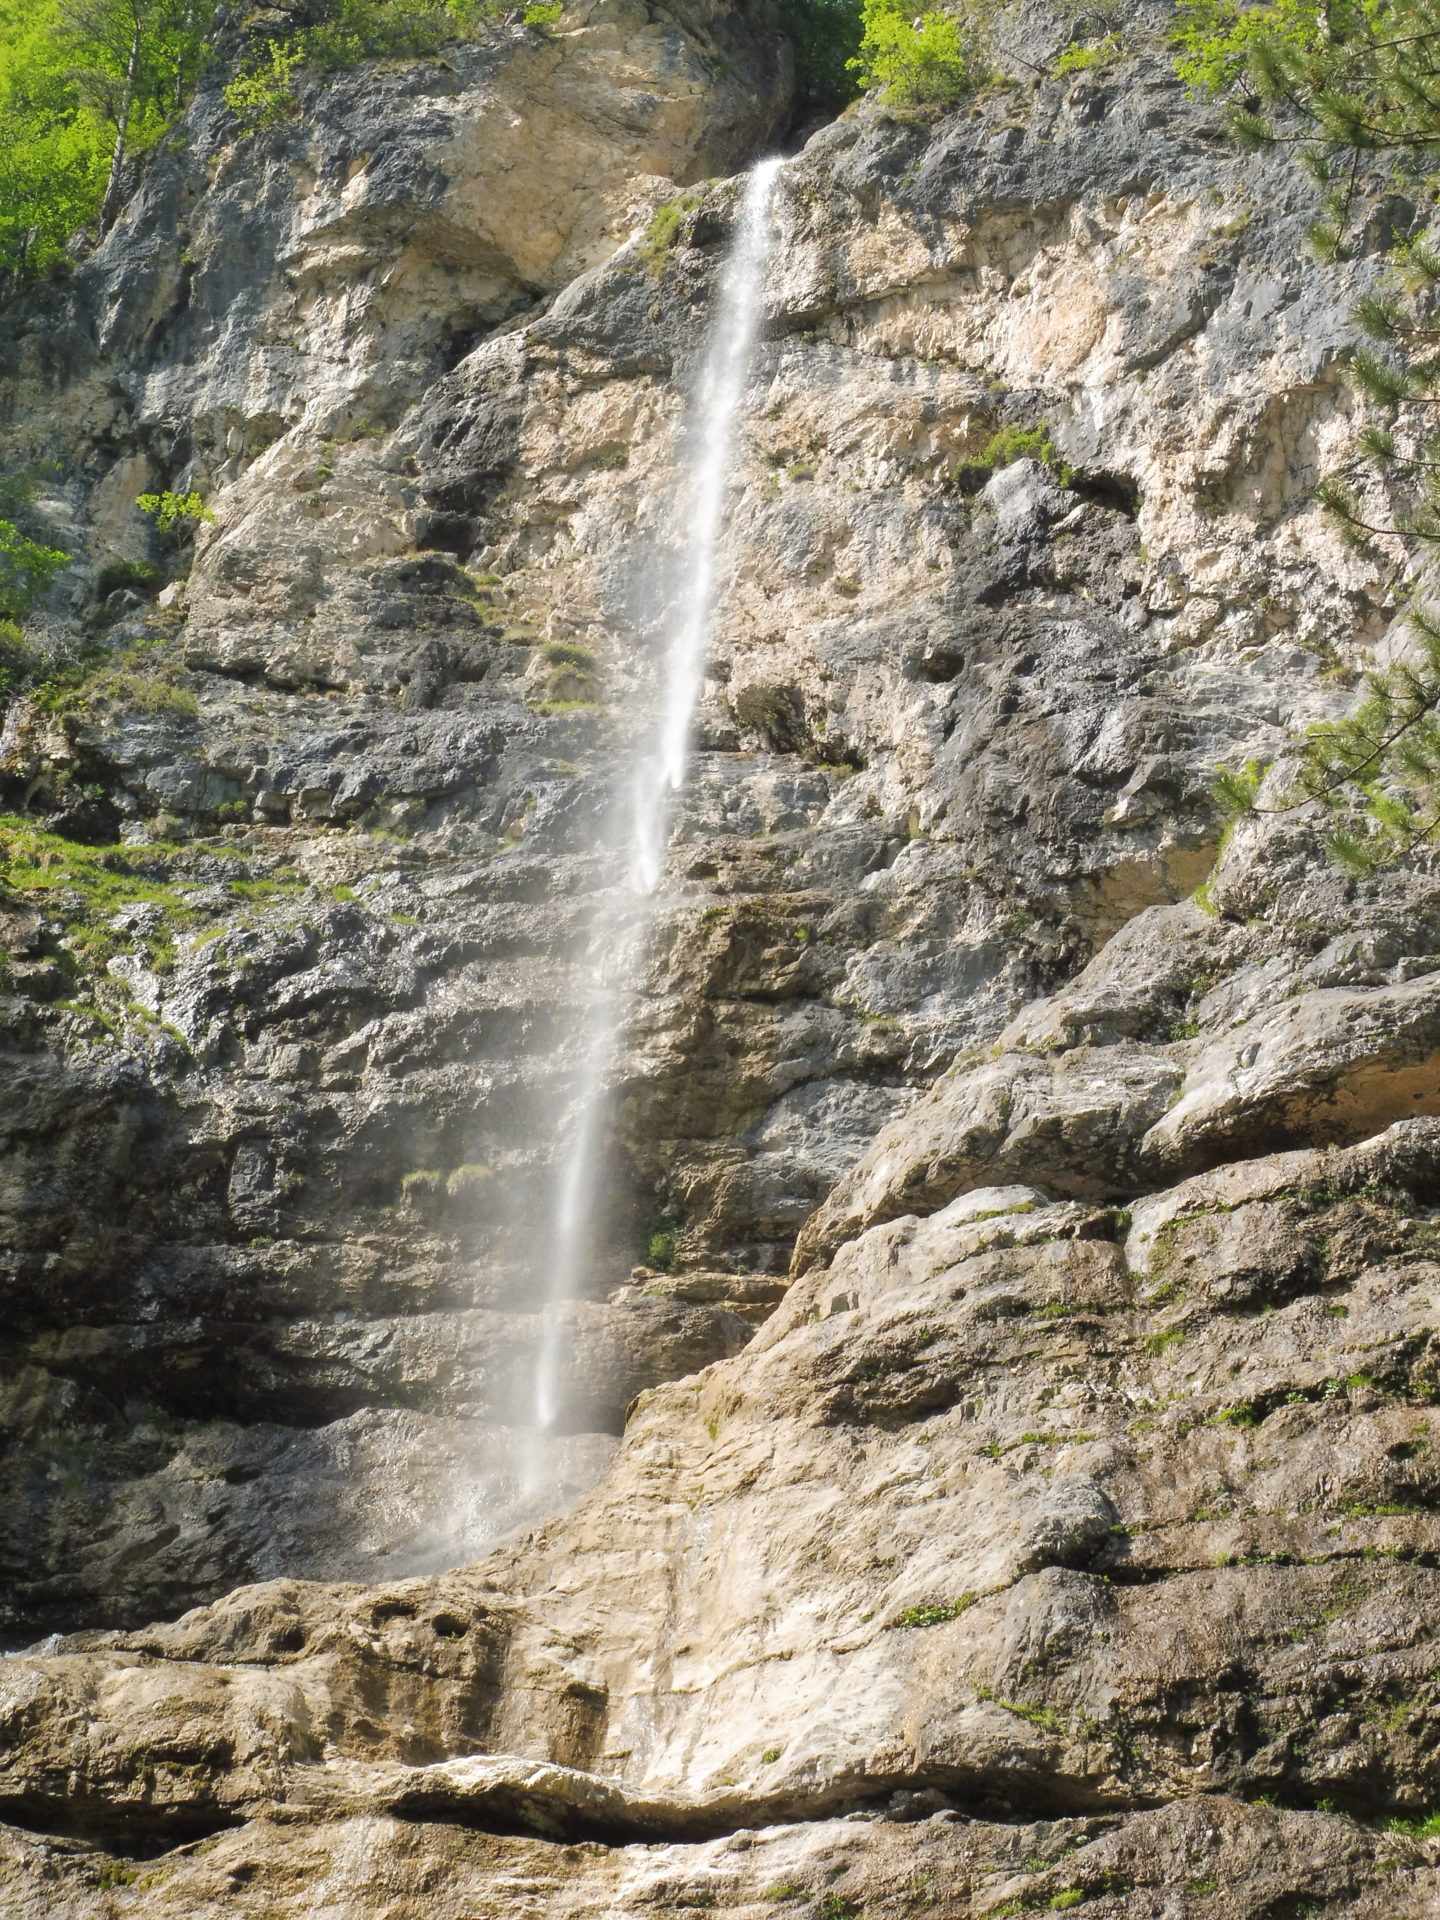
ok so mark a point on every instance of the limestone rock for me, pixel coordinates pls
(1064, 1533)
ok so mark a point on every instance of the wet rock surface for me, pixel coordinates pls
(1063, 1534)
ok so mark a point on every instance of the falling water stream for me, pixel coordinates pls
(624, 916)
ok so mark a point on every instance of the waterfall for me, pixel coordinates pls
(660, 772)
(623, 918)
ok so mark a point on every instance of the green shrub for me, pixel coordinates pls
(1423, 1826)
(27, 571)
(658, 1242)
(569, 653)
(664, 228)
(937, 1614)
(134, 680)
(265, 91)
(1086, 59)
(1014, 443)
(175, 512)
(19, 663)
(922, 62)
(1010, 444)
(155, 693)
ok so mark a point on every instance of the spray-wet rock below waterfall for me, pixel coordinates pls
(1062, 1535)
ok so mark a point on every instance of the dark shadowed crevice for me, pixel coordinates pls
(135, 1830)
(512, 1812)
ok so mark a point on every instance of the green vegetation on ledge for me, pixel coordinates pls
(1004, 448)
(925, 62)
(329, 35)
(86, 890)
(85, 887)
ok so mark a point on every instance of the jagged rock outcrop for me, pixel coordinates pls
(1059, 1533)
(1065, 1534)
(251, 1246)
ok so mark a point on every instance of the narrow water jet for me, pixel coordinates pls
(624, 915)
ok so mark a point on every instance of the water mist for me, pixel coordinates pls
(639, 832)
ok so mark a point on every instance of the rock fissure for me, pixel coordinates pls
(997, 1449)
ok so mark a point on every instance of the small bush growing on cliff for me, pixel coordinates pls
(27, 569)
(325, 36)
(570, 653)
(917, 61)
(135, 576)
(19, 663)
(175, 512)
(1010, 444)
(1085, 59)
(264, 92)
(664, 228)
(658, 1242)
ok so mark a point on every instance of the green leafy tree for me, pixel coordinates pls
(923, 62)
(86, 86)
(27, 570)
(52, 170)
(133, 63)
(175, 512)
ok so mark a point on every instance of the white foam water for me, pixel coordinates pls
(624, 916)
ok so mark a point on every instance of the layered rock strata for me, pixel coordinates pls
(1062, 1536)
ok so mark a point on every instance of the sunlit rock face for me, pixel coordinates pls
(1061, 1534)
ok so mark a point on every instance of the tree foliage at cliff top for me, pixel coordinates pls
(1344, 78)
(324, 36)
(84, 85)
(88, 85)
(923, 61)
(1356, 84)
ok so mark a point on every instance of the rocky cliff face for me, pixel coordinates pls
(1065, 1534)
